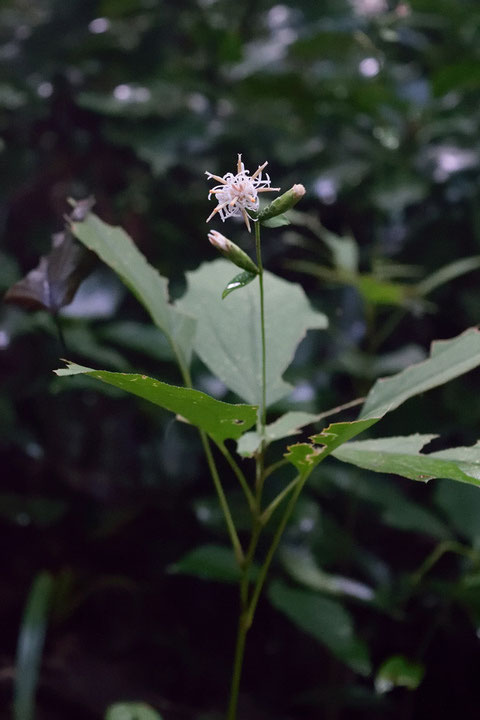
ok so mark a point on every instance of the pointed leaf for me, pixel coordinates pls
(228, 333)
(326, 620)
(54, 282)
(239, 281)
(448, 359)
(116, 249)
(401, 456)
(220, 420)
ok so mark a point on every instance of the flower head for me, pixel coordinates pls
(238, 194)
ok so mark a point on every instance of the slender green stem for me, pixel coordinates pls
(237, 547)
(239, 474)
(273, 547)
(263, 407)
(268, 512)
(274, 466)
(223, 500)
(237, 667)
(438, 552)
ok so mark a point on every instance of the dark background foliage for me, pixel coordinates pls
(374, 106)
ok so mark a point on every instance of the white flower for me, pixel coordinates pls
(238, 194)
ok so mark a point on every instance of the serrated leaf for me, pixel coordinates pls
(401, 456)
(228, 333)
(305, 456)
(325, 620)
(210, 562)
(239, 281)
(116, 249)
(131, 711)
(220, 420)
(448, 359)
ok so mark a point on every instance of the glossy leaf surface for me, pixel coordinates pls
(220, 420)
(238, 282)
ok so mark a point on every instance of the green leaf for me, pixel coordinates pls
(228, 333)
(448, 359)
(399, 671)
(285, 426)
(220, 420)
(116, 249)
(306, 456)
(210, 562)
(301, 565)
(325, 620)
(239, 281)
(131, 711)
(401, 456)
(30, 646)
(278, 221)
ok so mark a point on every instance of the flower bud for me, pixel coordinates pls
(283, 203)
(232, 252)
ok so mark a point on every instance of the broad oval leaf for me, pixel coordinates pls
(228, 333)
(219, 419)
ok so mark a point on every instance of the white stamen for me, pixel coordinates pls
(237, 195)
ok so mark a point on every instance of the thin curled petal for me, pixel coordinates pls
(237, 195)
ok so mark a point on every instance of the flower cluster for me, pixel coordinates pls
(237, 195)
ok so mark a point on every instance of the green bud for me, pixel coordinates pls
(232, 252)
(283, 203)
